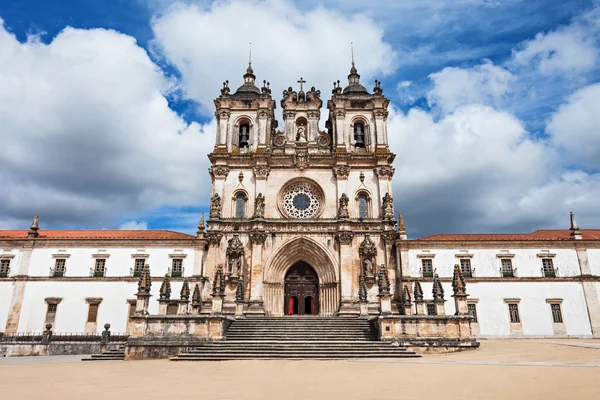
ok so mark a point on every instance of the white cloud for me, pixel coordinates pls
(570, 49)
(87, 133)
(210, 45)
(575, 127)
(482, 84)
(134, 226)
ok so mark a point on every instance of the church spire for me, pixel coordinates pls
(249, 76)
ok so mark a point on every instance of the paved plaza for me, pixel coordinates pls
(507, 369)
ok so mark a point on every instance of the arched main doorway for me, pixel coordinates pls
(301, 290)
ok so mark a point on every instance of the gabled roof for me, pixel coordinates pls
(96, 234)
(544, 234)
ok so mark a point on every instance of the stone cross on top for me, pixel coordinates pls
(301, 81)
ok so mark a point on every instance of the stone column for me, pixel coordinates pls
(438, 296)
(349, 271)
(313, 125)
(218, 173)
(259, 141)
(256, 303)
(212, 254)
(340, 123)
(222, 130)
(380, 117)
(418, 296)
(19, 285)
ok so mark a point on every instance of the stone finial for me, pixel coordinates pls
(34, 228)
(383, 281)
(239, 291)
(165, 288)
(145, 282)
(218, 282)
(401, 223)
(184, 295)
(438, 290)
(406, 296)
(196, 296)
(458, 282)
(362, 288)
(201, 225)
(418, 292)
(575, 232)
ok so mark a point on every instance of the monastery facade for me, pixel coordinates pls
(302, 221)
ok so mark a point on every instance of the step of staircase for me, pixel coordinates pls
(297, 338)
(108, 355)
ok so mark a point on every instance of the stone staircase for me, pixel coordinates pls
(117, 354)
(297, 337)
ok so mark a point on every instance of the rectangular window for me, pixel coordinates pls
(465, 267)
(4, 268)
(556, 313)
(548, 268)
(51, 314)
(472, 309)
(431, 309)
(507, 269)
(93, 313)
(138, 267)
(177, 267)
(240, 206)
(99, 267)
(427, 264)
(59, 267)
(513, 309)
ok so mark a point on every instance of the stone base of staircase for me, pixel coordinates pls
(297, 338)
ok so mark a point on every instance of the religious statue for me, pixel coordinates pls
(368, 265)
(234, 266)
(301, 134)
(343, 207)
(259, 206)
(388, 207)
(215, 206)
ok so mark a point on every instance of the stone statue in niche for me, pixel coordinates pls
(368, 268)
(388, 207)
(301, 134)
(215, 206)
(259, 206)
(343, 206)
(234, 266)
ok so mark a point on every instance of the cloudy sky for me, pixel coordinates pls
(106, 112)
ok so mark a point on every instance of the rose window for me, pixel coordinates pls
(301, 200)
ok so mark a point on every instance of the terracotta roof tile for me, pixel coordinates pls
(546, 234)
(96, 234)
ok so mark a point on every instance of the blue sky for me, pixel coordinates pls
(485, 94)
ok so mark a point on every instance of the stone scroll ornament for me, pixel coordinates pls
(388, 207)
(259, 206)
(216, 205)
(343, 206)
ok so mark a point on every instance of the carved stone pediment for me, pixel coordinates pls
(279, 140)
(341, 171)
(389, 237)
(385, 171)
(262, 171)
(258, 237)
(344, 237)
(214, 237)
(218, 171)
(301, 161)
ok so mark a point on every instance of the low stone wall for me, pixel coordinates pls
(157, 347)
(205, 326)
(428, 333)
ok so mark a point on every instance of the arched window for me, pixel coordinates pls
(363, 211)
(359, 135)
(244, 135)
(240, 205)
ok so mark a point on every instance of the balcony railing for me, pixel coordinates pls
(136, 273)
(468, 273)
(508, 273)
(4, 273)
(97, 273)
(57, 273)
(176, 274)
(550, 273)
(427, 273)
